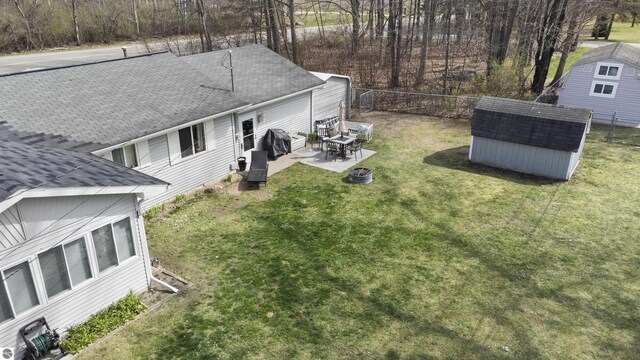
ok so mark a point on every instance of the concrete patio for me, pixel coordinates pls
(316, 158)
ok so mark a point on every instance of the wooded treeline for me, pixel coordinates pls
(438, 46)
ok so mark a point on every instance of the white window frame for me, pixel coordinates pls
(173, 141)
(631, 71)
(610, 96)
(36, 285)
(124, 151)
(66, 263)
(96, 272)
(608, 65)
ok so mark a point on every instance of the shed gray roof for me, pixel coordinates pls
(620, 51)
(530, 123)
(93, 106)
(25, 167)
(259, 74)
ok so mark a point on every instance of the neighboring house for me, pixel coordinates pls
(175, 118)
(606, 80)
(327, 98)
(528, 137)
(72, 240)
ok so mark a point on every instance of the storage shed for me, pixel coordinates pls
(327, 98)
(528, 137)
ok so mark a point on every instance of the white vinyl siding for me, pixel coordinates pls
(194, 171)
(292, 115)
(327, 98)
(11, 230)
(522, 158)
(77, 216)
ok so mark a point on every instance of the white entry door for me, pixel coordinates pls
(247, 123)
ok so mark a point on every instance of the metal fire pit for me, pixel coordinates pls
(360, 176)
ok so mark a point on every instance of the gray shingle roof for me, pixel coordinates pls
(259, 74)
(25, 167)
(620, 51)
(530, 123)
(98, 105)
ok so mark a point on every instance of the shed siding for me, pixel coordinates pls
(291, 115)
(326, 99)
(577, 86)
(11, 230)
(195, 171)
(522, 158)
(575, 157)
(77, 305)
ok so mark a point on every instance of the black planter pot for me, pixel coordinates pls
(242, 163)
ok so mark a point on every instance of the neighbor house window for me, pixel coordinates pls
(113, 244)
(192, 140)
(603, 89)
(126, 156)
(20, 288)
(64, 266)
(608, 71)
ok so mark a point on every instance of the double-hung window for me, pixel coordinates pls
(608, 71)
(64, 266)
(603, 89)
(192, 140)
(113, 244)
(17, 291)
(126, 156)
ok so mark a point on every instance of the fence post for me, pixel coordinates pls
(611, 126)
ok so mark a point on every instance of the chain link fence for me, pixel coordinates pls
(443, 106)
(619, 130)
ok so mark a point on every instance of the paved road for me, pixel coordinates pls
(19, 63)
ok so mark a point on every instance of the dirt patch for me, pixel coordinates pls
(158, 293)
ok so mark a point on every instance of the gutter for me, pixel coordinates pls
(268, 102)
(172, 129)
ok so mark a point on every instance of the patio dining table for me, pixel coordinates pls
(343, 141)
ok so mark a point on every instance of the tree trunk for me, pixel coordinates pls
(552, 25)
(273, 24)
(613, 16)
(424, 43)
(355, 25)
(134, 4)
(380, 18)
(294, 38)
(205, 37)
(74, 15)
(395, 38)
(566, 47)
(446, 52)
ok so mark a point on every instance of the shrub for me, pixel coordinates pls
(601, 26)
(100, 324)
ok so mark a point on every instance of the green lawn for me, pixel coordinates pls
(619, 32)
(573, 57)
(436, 259)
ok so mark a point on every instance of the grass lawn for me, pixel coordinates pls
(619, 32)
(573, 57)
(437, 258)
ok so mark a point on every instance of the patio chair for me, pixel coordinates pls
(332, 149)
(258, 170)
(324, 134)
(355, 147)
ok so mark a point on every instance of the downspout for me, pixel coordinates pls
(145, 255)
